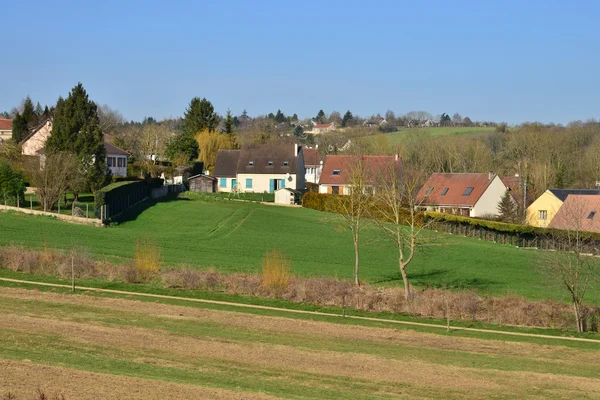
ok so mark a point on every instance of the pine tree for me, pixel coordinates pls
(244, 116)
(76, 129)
(279, 117)
(347, 118)
(200, 115)
(507, 209)
(320, 117)
(298, 131)
(228, 123)
(29, 113)
(19, 128)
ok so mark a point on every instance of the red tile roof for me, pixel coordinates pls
(322, 126)
(5, 124)
(434, 191)
(311, 156)
(374, 165)
(578, 213)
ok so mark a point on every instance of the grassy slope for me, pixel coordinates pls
(278, 356)
(233, 237)
(395, 138)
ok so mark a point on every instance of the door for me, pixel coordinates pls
(271, 185)
(233, 184)
(281, 184)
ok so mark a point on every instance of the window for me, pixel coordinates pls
(444, 191)
(336, 171)
(121, 162)
(270, 163)
(335, 190)
(591, 216)
(248, 183)
(251, 163)
(543, 215)
(223, 182)
(285, 163)
(429, 191)
(468, 191)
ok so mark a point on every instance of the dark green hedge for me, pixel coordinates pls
(119, 196)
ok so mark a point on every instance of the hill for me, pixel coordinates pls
(233, 237)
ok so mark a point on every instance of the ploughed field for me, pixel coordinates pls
(233, 236)
(90, 347)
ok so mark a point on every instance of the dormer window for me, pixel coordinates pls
(285, 163)
(251, 163)
(336, 172)
(270, 163)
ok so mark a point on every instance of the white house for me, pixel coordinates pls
(116, 159)
(260, 168)
(318, 129)
(466, 194)
(5, 129)
(313, 166)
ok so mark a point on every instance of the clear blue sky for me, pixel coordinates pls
(510, 61)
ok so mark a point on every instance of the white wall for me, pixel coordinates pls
(115, 169)
(5, 135)
(226, 189)
(261, 182)
(38, 141)
(313, 173)
(488, 202)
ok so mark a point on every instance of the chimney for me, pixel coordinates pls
(491, 175)
(295, 149)
(396, 157)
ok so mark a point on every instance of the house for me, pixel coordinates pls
(312, 165)
(202, 183)
(34, 144)
(287, 196)
(5, 129)
(541, 212)
(318, 129)
(336, 174)
(260, 168)
(466, 194)
(116, 159)
(578, 213)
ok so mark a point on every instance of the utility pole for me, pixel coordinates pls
(525, 196)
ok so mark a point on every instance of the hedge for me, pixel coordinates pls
(333, 203)
(119, 196)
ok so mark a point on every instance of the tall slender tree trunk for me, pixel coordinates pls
(578, 316)
(356, 281)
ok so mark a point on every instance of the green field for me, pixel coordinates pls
(114, 348)
(234, 236)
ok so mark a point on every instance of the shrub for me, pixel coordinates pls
(147, 259)
(276, 272)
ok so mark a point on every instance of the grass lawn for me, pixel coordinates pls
(85, 202)
(395, 138)
(121, 348)
(233, 237)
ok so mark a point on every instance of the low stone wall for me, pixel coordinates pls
(62, 217)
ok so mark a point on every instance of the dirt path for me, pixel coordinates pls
(252, 306)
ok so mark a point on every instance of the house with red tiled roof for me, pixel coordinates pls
(579, 212)
(337, 171)
(5, 129)
(313, 166)
(322, 128)
(466, 194)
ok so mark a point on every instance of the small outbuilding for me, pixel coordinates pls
(287, 196)
(202, 183)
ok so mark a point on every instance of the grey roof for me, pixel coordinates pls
(226, 164)
(113, 150)
(261, 155)
(563, 193)
(203, 176)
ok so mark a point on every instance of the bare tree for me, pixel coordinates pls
(54, 177)
(354, 203)
(397, 214)
(109, 118)
(570, 267)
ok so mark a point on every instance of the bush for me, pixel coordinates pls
(276, 272)
(12, 185)
(147, 260)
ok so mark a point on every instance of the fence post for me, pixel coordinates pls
(31, 202)
(87, 210)
(518, 239)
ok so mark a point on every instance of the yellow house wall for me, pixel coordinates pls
(547, 201)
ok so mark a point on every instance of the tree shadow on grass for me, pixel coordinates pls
(435, 279)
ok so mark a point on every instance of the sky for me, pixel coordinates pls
(512, 61)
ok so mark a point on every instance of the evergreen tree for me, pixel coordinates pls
(39, 110)
(445, 120)
(507, 209)
(294, 118)
(183, 145)
(200, 115)
(29, 113)
(271, 116)
(228, 123)
(279, 117)
(19, 128)
(298, 131)
(347, 118)
(12, 185)
(244, 116)
(320, 117)
(76, 129)
(236, 121)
